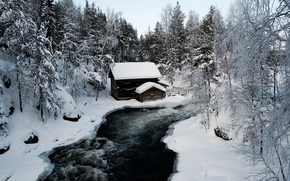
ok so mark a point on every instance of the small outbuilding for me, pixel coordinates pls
(150, 91)
(126, 77)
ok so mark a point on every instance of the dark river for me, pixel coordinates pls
(128, 146)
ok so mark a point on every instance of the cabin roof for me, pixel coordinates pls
(164, 83)
(148, 85)
(134, 70)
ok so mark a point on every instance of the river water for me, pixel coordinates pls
(128, 146)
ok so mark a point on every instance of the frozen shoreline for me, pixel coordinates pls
(200, 155)
(28, 162)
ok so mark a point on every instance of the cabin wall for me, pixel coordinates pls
(151, 94)
(125, 89)
(114, 88)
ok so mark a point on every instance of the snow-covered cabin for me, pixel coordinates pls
(126, 77)
(150, 91)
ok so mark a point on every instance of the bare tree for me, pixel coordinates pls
(257, 49)
(166, 17)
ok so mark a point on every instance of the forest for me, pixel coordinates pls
(236, 68)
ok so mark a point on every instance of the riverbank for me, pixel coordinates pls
(203, 156)
(24, 161)
(127, 147)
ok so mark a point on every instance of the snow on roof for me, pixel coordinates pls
(163, 82)
(144, 87)
(134, 70)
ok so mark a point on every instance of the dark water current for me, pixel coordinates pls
(128, 146)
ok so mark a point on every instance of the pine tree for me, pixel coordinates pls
(18, 42)
(191, 45)
(173, 24)
(44, 68)
(192, 30)
(90, 60)
(158, 46)
(70, 40)
(205, 57)
(110, 40)
(146, 43)
(177, 37)
(126, 50)
(152, 45)
(3, 118)
(58, 31)
(49, 17)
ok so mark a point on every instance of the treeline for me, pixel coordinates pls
(250, 83)
(50, 43)
(237, 69)
(238, 72)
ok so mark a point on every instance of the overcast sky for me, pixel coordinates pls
(145, 13)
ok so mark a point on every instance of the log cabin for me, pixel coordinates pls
(150, 91)
(126, 77)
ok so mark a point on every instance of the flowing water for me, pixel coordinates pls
(128, 146)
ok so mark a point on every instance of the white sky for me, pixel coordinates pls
(145, 13)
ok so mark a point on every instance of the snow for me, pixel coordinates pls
(201, 156)
(164, 82)
(95, 76)
(4, 143)
(26, 161)
(70, 107)
(5, 65)
(134, 70)
(144, 87)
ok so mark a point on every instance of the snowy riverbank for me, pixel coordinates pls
(201, 156)
(24, 161)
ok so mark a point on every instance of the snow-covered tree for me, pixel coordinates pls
(191, 30)
(152, 45)
(146, 46)
(200, 57)
(110, 40)
(49, 16)
(126, 50)
(70, 40)
(45, 77)
(191, 45)
(173, 25)
(18, 42)
(177, 36)
(205, 59)
(166, 17)
(3, 118)
(256, 46)
(159, 41)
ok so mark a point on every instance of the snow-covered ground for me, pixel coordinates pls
(201, 156)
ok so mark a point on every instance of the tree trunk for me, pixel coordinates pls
(41, 104)
(97, 90)
(19, 90)
(64, 71)
(280, 164)
(208, 88)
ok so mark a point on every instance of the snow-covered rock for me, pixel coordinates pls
(70, 107)
(4, 145)
(31, 138)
